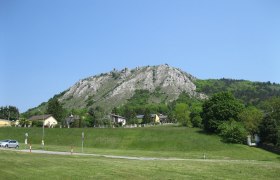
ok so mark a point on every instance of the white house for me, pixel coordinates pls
(118, 119)
(5, 123)
(48, 119)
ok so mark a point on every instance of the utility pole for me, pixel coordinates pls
(43, 126)
(83, 137)
(43, 143)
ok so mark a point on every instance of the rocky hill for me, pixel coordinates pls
(113, 89)
(162, 83)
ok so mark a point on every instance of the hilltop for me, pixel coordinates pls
(114, 88)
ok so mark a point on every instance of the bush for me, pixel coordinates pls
(196, 121)
(233, 132)
(37, 123)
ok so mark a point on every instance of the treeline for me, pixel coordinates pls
(251, 93)
(9, 113)
(227, 116)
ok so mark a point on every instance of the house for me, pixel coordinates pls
(71, 119)
(5, 123)
(48, 120)
(140, 116)
(163, 118)
(154, 117)
(118, 119)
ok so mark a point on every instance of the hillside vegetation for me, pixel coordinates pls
(249, 92)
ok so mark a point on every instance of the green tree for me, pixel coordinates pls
(251, 117)
(171, 117)
(269, 131)
(129, 113)
(116, 110)
(221, 107)
(182, 114)
(97, 116)
(147, 116)
(272, 107)
(9, 113)
(233, 132)
(56, 110)
(270, 126)
(195, 116)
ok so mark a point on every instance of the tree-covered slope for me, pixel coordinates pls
(249, 92)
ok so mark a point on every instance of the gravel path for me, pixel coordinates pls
(131, 157)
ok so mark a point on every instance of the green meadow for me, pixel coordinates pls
(223, 161)
(18, 165)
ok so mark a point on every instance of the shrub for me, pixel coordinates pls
(37, 123)
(196, 121)
(233, 132)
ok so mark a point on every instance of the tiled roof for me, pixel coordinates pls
(40, 117)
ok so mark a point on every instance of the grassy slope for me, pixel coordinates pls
(20, 165)
(153, 142)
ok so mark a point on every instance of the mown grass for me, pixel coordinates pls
(151, 142)
(19, 165)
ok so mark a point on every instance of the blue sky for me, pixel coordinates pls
(48, 45)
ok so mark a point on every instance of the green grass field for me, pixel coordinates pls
(223, 161)
(18, 165)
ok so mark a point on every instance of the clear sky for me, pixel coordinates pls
(48, 45)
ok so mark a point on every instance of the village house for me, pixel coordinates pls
(118, 119)
(163, 118)
(155, 118)
(72, 119)
(48, 120)
(5, 123)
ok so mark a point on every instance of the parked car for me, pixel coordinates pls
(9, 143)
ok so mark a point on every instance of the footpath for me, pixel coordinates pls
(128, 157)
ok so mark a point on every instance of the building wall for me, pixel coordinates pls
(157, 119)
(4, 123)
(50, 121)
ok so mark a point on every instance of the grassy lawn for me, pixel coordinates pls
(19, 165)
(152, 142)
(223, 161)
